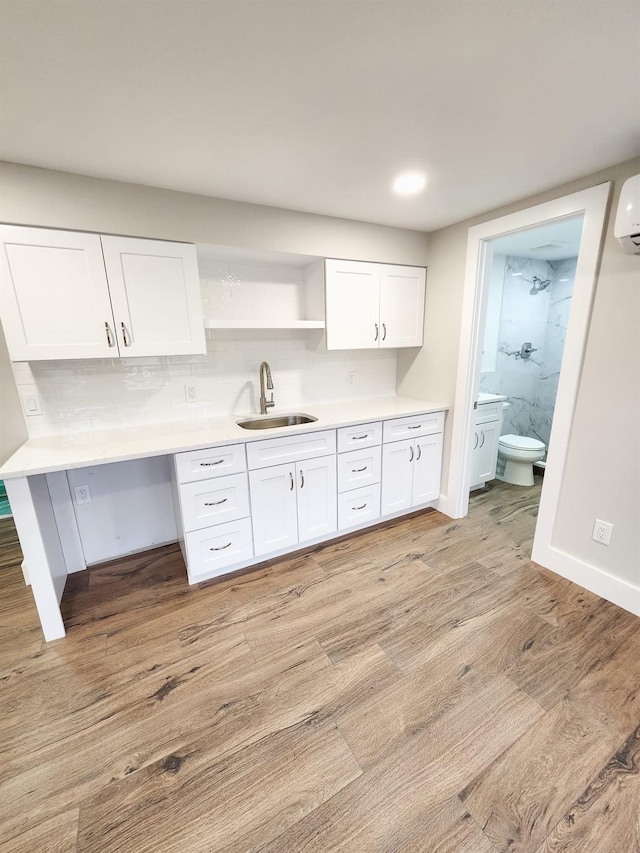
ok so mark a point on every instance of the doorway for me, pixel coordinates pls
(589, 206)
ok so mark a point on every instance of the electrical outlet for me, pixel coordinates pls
(351, 378)
(190, 394)
(602, 531)
(83, 495)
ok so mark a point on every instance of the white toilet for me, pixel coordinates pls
(516, 455)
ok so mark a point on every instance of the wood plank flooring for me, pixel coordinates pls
(421, 687)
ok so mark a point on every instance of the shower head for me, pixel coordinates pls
(539, 284)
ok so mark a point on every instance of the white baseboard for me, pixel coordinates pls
(613, 589)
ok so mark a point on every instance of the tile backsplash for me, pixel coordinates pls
(96, 394)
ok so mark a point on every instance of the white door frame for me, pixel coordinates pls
(593, 204)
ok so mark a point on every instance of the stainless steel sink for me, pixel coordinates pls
(276, 421)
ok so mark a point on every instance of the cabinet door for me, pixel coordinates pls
(397, 476)
(401, 306)
(54, 299)
(273, 508)
(486, 453)
(155, 292)
(427, 465)
(317, 498)
(352, 293)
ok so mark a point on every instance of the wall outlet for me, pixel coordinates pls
(83, 495)
(190, 394)
(602, 531)
(351, 378)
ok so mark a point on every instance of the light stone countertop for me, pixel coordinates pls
(78, 450)
(483, 397)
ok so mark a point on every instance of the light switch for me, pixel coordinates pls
(30, 398)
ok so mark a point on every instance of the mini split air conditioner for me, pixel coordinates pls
(627, 227)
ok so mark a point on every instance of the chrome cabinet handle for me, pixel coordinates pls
(360, 437)
(359, 507)
(482, 445)
(125, 337)
(291, 479)
(419, 452)
(411, 457)
(384, 331)
(377, 332)
(221, 547)
(302, 479)
(215, 503)
(418, 426)
(110, 340)
(476, 444)
(208, 464)
(358, 470)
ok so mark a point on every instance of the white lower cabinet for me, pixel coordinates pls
(230, 518)
(293, 503)
(484, 454)
(359, 506)
(213, 550)
(411, 473)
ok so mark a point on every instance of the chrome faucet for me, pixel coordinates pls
(264, 403)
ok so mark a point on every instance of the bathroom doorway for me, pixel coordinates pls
(530, 288)
(584, 210)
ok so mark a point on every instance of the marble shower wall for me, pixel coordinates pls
(540, 316)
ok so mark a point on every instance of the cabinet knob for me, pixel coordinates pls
(358, 470)
(215, 503)
(411, 452)
(377, 332)
(384, 331)
(221, 547)
(125, 337)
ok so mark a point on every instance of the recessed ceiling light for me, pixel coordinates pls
(409, 183)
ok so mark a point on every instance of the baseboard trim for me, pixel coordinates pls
(613, 589)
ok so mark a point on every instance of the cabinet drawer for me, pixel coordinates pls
(488, 412)
(292, 448)
(210, 462)
(359, 468)
(212, 550)
(358, 506)
(413, 427)
(360, 435)
(214, 501)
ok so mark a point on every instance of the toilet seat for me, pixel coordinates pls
(520, 442)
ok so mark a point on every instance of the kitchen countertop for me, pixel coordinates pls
(490, 398)
(78, 450)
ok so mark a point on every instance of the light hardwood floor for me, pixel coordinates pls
(422, 687)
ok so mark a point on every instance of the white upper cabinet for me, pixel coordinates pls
(401, 306)
(54, 298)
(67, 294)
(373, 305)
(155, 294)
(352, 293)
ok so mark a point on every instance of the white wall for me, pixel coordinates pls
(12, 426)
(602, 474)
(131, 507)
(31, 196)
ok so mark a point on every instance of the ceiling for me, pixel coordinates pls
(553, 241)
(317, 105)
